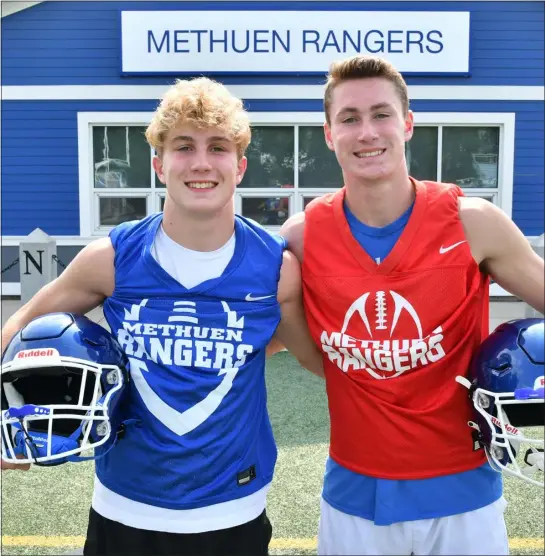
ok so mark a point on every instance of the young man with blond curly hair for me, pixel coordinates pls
(197, 293)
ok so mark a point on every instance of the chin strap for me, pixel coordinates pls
(38, 442)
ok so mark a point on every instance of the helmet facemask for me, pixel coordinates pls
(57, 410)
(506, 422)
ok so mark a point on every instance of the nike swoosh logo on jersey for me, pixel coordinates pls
(250, 298)
(443, 250)
(134, 313)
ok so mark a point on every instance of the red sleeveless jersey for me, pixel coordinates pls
(395, 335)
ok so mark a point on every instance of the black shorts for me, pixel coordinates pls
(110, 538)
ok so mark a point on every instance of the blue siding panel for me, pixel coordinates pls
(77, 43)
(40, 163)
(71, 43)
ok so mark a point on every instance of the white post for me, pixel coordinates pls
(36, 265)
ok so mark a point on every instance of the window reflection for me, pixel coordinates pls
(268, 211)
(114, 210)
(121, 157)
(270, 158)
(318, 166)
(470, 156)
(421, 153)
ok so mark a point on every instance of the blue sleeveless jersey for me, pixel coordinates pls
(387, 501)
(197, 362)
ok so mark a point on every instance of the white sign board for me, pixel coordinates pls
(177, 42)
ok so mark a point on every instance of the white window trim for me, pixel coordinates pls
(266, 92)
(503, 195)
(87, 197)
(126, 194)
(505, 121)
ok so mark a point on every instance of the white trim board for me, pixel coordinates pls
(272, 92)
(76, 241)
(9, 8)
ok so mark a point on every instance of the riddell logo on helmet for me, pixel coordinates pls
(509, 428)
(46, 352)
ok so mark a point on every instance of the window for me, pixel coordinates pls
(289, 164)
(318, 165)
(465, 155)
(472, 150)
(270, 158)
(124, 184)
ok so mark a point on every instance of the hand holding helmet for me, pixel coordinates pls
(63, 378)
(506, 388)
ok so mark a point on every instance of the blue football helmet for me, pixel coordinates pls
(506, 388)
(63, 377)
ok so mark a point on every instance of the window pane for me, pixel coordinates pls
(114, 210)
(162, 201)
(268, 211)
(421, 153)
(270, 158)
(470, 156)
(318, 166)
(121, 157)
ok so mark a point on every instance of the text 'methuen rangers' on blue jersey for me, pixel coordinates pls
(197, 362)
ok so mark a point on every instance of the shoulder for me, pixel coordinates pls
(294, 227)
(440, 193)
(132, 230)
(483, 223)
(472, 210)
(293, 231)
(99, 251)
(93, 268)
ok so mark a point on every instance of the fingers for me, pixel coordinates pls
(4, 465)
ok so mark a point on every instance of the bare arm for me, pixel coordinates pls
(503, 252)
(87, 280)
(292, 331)
(293, 232)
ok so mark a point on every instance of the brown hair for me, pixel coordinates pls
(203, 103)
(358, 67)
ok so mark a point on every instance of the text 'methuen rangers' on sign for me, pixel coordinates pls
(273, 41)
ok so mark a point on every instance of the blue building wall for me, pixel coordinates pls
(61, 43)
(40, 159)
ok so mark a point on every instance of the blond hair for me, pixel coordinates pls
(203, 103)
(358, 67)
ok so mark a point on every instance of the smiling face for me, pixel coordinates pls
(368, 130)
(200, 169)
